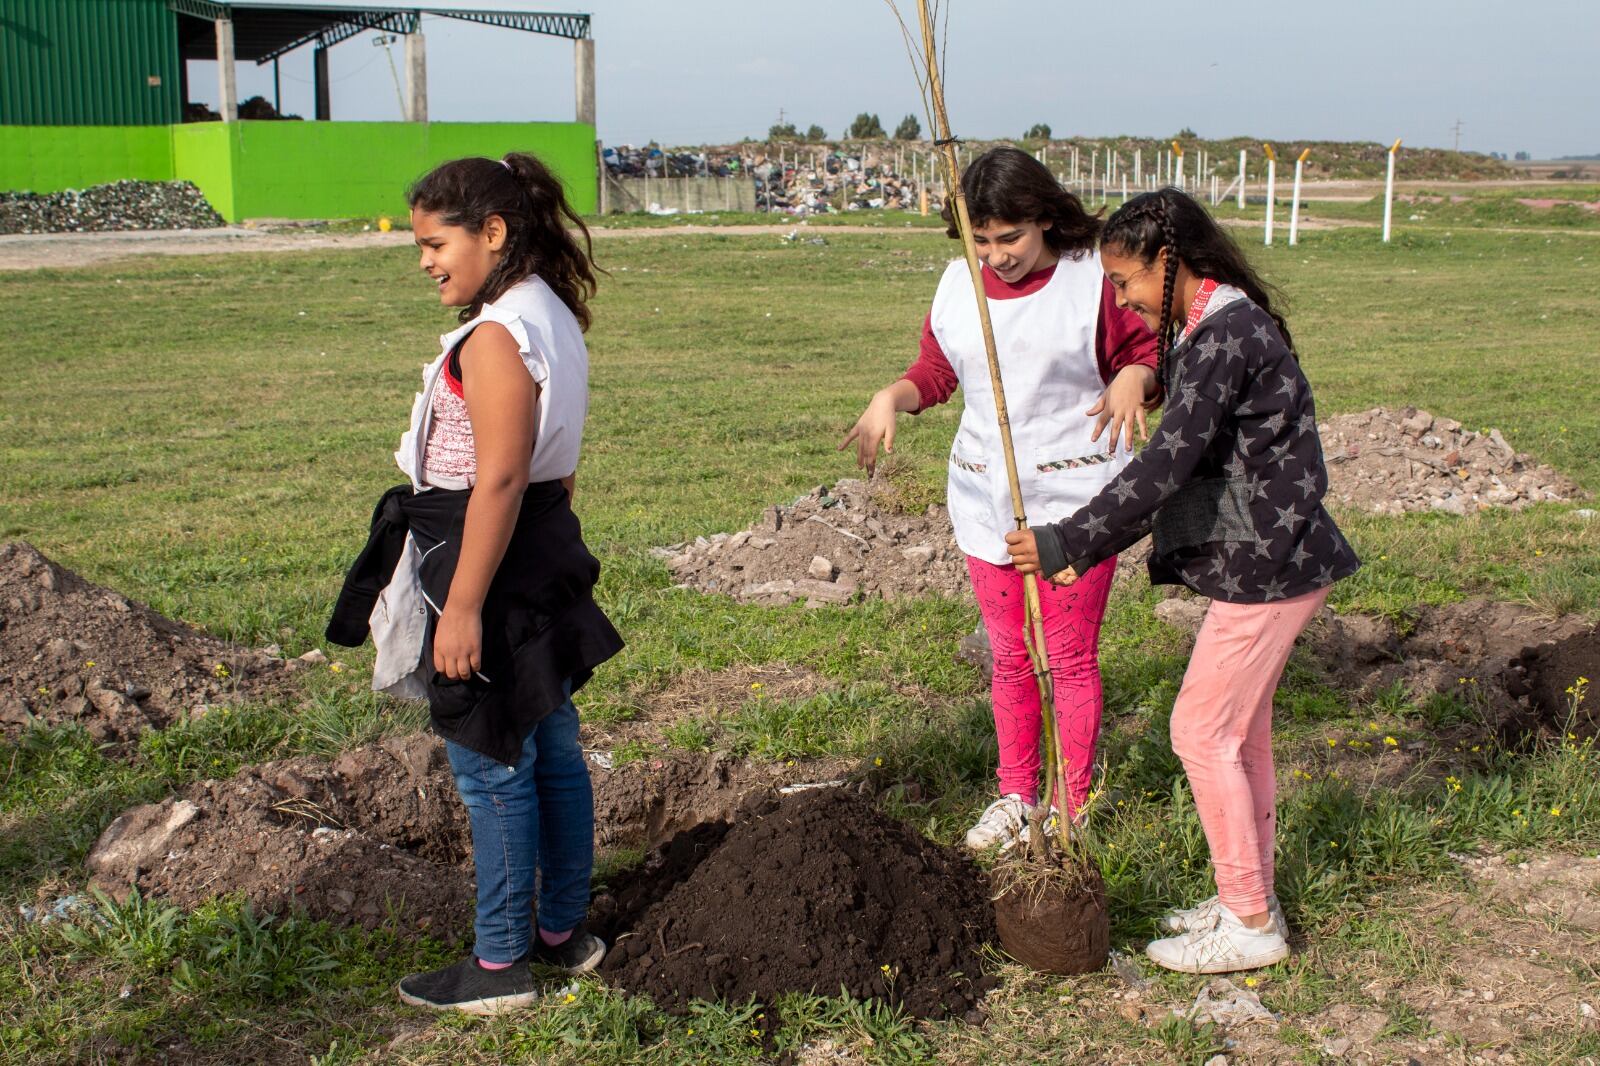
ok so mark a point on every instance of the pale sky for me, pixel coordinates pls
(1519, 77)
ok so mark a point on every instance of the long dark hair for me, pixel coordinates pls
(523, 192)
(1008, 185)
(1172, 220)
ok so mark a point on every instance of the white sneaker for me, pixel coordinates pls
(1000, 823)
(1181, 921)
(1223, 944)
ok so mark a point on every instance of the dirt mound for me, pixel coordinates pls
(376, 829)
(74, 651)
(834, 546)
(1555, 679)
(380, 828)
(811, 892)
(830, 546)
(1392, 462)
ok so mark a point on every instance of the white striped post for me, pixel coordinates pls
(1388, 191)
(1294, 204)
(1272, 182)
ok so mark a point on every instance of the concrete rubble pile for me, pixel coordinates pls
(121, 205)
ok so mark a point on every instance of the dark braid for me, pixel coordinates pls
(1172, 220)
(1168, 284)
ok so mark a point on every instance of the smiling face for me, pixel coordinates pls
(1138, 284)
(457, 259)
(1013, 250)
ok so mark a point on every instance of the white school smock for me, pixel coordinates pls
(1045, 343)
(551, 345)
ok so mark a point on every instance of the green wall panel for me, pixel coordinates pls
(288, 169)
(355, 169)
(88, 63)
(51, 158)
(205, 153)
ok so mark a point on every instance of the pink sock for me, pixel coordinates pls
(495, 965)
(552, 939)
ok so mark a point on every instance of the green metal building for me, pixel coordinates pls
(94, 90)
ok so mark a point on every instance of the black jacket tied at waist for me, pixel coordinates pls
(541, 626)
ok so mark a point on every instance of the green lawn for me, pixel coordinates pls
(208, 435)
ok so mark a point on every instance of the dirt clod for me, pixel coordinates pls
(810, 892)
(75, 651)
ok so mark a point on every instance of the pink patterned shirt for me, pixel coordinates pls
(450, 457)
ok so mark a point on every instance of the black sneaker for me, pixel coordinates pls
(579, 953)
(466, 986)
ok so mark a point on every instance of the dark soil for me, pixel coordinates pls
(72, 651)
(1548, 677)
(1056, 925)
(806, 893)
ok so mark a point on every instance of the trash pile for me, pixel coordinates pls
(797, 180)
(1394, 462)
(813, 892)
(830, 546)
(72, 651)
(121, 205)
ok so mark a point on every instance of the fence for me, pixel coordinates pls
(699, 194)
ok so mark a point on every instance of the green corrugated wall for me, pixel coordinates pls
(88, 63)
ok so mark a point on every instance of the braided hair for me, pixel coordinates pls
(528, 196)
(1168, 219)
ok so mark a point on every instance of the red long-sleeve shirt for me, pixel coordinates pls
(1120, 338)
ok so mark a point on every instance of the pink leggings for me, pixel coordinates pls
(1072, 617)
(1222, 730)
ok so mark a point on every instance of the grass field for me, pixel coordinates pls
(208, 435)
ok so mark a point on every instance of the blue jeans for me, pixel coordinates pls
(532, 820)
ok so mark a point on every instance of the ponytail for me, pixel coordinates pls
(530, 199)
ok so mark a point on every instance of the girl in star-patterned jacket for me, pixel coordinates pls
(1231, 487)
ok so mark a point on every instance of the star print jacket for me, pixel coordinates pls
(1231, 483)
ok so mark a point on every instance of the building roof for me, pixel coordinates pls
(263, 30)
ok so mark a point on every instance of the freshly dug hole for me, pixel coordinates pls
(812, 892)
(1547, 677)
(1053, 919)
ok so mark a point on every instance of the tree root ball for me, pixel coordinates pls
(1055, 924)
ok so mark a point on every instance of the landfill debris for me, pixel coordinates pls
(63, 909)
(1224, 1003)
(796, 180)
(120, 205)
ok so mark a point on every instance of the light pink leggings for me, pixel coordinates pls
(1072, 617)
(1222, 730)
